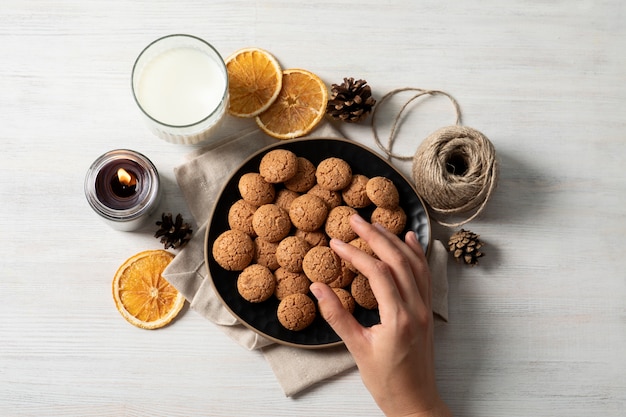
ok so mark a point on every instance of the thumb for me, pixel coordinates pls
(341, 321)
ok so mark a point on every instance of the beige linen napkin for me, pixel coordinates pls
(201, 179)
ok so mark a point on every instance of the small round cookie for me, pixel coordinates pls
(304, 178)
(355, 194)
(255, 190)
(322, 264)
(383, 192)
(331, 198)
(361, 244)
(278, 165)
(296, 312)
(271, 223)
(233, 250)
(240, 217)
(284, 198)
(315, 238)
(347, 301)
(288, 283)
(338, 223)
(290, 253)
(362, 292)
(392, 219)
(256, 283)
(265, 253)
(345, 277)
(308, 212)
(333, 174)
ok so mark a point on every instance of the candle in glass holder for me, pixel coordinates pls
(180, 84)
(123, 187)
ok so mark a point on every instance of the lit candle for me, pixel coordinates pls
(180, 84)
(123, 187)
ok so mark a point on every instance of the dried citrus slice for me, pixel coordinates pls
(142, 296)
(254, 81)
(298, 108)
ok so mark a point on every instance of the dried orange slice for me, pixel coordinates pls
(299, 107)
(254, 81)
(142, 296)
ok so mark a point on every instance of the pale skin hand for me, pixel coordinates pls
(396, 357)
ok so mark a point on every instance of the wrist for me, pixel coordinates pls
(440, 410)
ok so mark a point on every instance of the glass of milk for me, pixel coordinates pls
(180, 83)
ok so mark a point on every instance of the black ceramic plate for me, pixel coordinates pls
(261, 317)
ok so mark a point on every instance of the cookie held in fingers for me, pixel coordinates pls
(322, 264)
(296, 312)
(362, 292)
(362, 245)
(345, 277)
(346, 299)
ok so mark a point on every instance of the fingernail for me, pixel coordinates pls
(316, 292)
(337, 242)
(415, 238)
(358, 219)
(380, 227)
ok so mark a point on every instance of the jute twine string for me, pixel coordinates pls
(454, 169)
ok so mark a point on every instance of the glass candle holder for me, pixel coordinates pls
(124, 188)
(180, 84)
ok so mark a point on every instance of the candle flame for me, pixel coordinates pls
(125, 177)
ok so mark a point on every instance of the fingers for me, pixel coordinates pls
(405, 259)
(379, 274)
(404, 262)
(422, 274)
(400, 276)
(341, 321)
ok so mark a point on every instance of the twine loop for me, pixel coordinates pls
(454, 169)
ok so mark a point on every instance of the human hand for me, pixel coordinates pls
(396, 357)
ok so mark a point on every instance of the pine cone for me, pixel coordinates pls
(465, 246)
(350, 101)
(173, 234)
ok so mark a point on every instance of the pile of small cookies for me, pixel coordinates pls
(280, 230)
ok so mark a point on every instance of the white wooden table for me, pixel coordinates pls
(539, 328)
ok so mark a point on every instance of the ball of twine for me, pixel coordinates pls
(454, 169)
